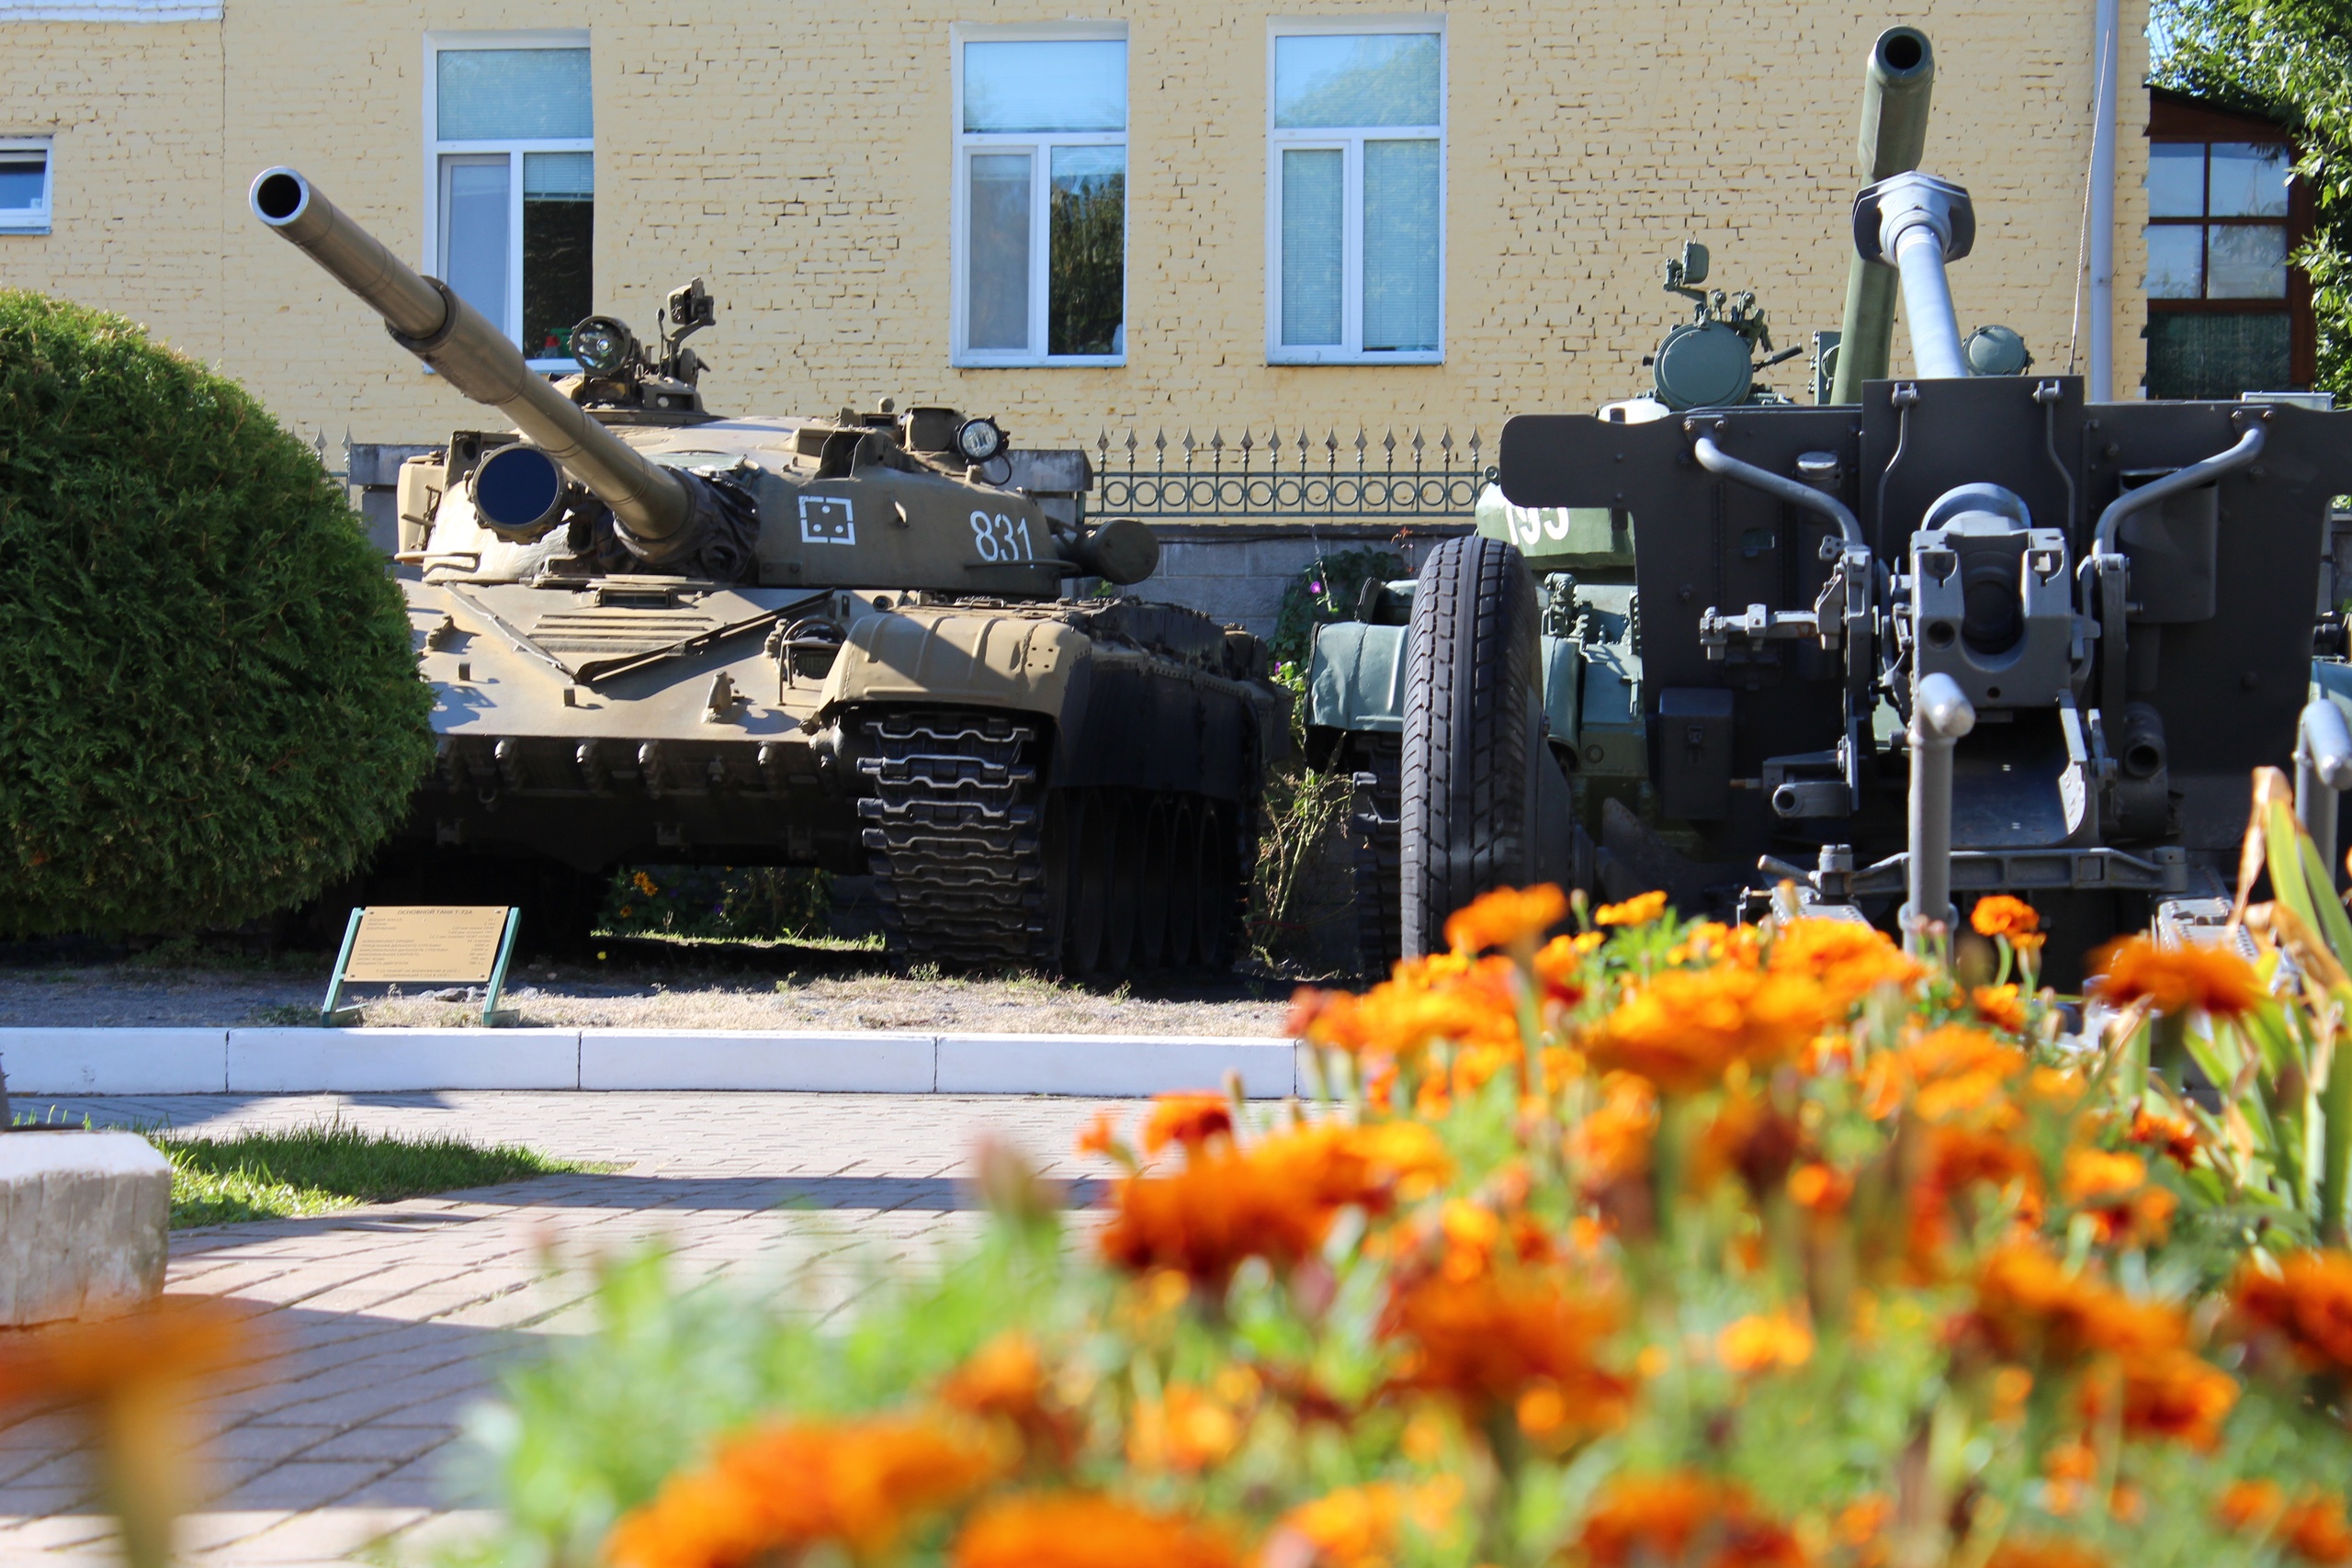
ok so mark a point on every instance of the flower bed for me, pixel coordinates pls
(1653, 1244)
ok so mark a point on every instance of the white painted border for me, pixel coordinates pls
(1351, 350)
(42, 1063)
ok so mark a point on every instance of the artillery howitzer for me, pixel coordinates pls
(655, 634)
(1966, 633)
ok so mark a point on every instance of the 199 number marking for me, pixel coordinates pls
(999, 538)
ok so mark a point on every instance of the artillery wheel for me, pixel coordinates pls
(1473, 748)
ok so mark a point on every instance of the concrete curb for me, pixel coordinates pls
(357, 1061)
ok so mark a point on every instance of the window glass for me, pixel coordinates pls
(1400, 246)
(998, 306)
(1069, 85)
(2176, 262)
(513, 95)
(24, 176)
(2192, 355)
(1312, 198)
(559, 240)
(1087, 241)
(2245, 261)
(474, 231)
(2177, 179)
(1367, 79)
(2249, 181)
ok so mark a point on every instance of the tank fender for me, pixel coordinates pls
(1355, 678)
(1137, 723)
(960, 659)
(1563, 666)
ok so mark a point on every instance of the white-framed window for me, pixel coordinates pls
(1355, 210)
(25, 169)
(511, 182)
(1040, 204)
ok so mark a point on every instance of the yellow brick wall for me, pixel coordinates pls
(799, 160)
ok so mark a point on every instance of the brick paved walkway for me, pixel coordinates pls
(388, 1321)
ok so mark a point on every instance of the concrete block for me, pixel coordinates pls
(1112, 1066)
(85, 1219)
(861, 1062)
(114, 1061)
(380, 1061)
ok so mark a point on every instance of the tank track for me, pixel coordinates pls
(1374, 822)
(951, 804)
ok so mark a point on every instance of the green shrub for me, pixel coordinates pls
(1324, 592)
(208, 708)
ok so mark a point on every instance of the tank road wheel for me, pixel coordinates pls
(1151, 891)
(1182, 896)
(1473, 735)
(1127, 885)
(1091, 848)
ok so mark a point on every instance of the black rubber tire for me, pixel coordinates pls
(1473, 735)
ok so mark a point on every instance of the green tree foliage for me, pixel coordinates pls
(208, 708)
(1324, 592)
(2291, 60)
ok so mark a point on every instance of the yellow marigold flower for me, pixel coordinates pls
(1360, 1527)
(1998, 914)
(1184, 1429)
(2178, 980)
(1849, 961)
(1639, 911)
(1508, 916)
(1761, 1342)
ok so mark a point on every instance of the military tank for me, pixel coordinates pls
(655, 634)
(1966, 634)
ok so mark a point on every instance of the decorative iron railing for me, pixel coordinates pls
(1281, 477)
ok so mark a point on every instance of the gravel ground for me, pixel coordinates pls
(645, 986)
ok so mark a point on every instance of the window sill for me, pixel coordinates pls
(1068, 362)
(1340, 356)
(14, 226)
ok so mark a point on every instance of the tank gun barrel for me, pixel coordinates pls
(655, 507)
(1914, 223)
(1896, 81)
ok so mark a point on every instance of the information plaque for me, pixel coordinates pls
(402, 945)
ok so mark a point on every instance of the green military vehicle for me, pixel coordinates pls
(656, 634)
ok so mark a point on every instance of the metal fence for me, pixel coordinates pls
(1287, 477)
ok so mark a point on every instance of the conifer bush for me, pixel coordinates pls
(208, 707)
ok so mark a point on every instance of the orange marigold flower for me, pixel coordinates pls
(2000, 1007)
(1682, 1520)
(1100, 1136)
(2113, 1188)
(2312, 1528)
(2306, 1306)
(1184, 1429)
(1611, 1144)
(2173, 1393)
(175, 1341)
(1752, 1136)
(1682, 1029)
(1560, 968)
(1761, 1342)
(1849, 961)
(1488, 1340)
(2029, 1307)
(1998, 914)
(1956, 1071)
(1820, 1189)
(1639, 911)
(2169, 1136)
(1005, 1381)
(782, 1489)
(1076, 1530)
(2026, 1551)
(1190, 1117)
(1360, 1527)
(2176, 979)
(1275, 1201)
(1508, 916)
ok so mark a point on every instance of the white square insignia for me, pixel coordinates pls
(827, 520)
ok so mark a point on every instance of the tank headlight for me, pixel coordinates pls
(978, 440)
(518, 491)
(603, 345)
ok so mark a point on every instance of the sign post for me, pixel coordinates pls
(408, 944)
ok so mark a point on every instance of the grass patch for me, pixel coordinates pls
(331, 1165)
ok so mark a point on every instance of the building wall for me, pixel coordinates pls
(798, 160)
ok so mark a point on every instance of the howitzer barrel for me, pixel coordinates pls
(1896, 81)
(650, 503)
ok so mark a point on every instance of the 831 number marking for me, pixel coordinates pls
(1000, 539)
